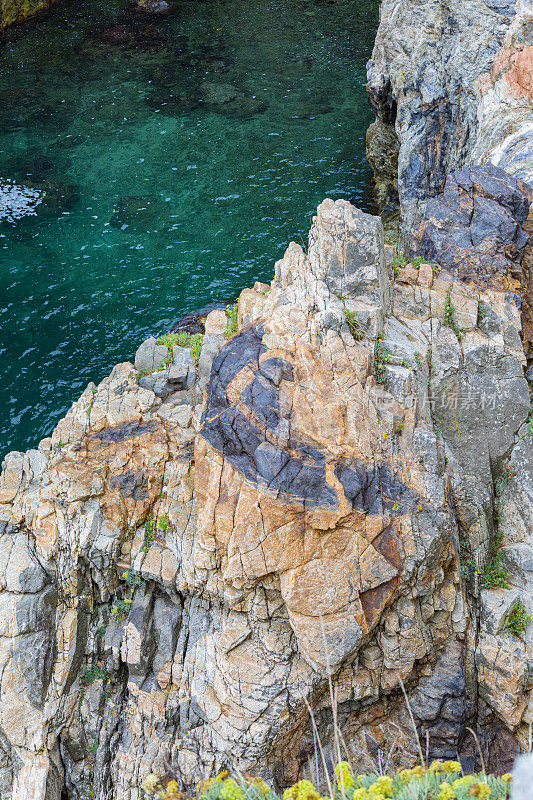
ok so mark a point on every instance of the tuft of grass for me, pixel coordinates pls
(232, 325)
(354, 325)
(518, 619)
(481, 310)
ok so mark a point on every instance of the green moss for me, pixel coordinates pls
(518, 619)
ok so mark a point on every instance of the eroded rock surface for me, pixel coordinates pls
(198, 544)
(450, 84)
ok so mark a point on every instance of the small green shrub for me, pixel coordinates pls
(169, 340)
(469, 569)
(133, 579)
(121, 606)
(397, 262)
(232, 325)
(418, 358)
(481, 310)
(381, 357)
(96, 672)
(182, 339)
(150, 527)
(163, 522)
(518, 619)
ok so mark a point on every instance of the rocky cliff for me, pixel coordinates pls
(332, 491)
(450, 83)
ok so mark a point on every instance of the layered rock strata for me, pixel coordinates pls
(450, 83)
(198, 547)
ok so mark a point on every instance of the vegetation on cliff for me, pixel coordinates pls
(440, 781)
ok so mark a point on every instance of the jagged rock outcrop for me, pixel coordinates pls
(198, 545)
(450, 84)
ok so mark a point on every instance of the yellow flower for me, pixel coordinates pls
(507, 777)
(446, 792)
(344, 775)
(231, 790)
(451, 766)
(222, 775)
(151, 783)
(382, 786)
(362, 794)
(464, 783)
(303, 790)
(172, 791)
(405, 775)
(418, 771)
(436, 766)
(480, 790)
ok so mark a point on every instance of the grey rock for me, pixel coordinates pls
(150, 355)
(211, 345)
(425, 83)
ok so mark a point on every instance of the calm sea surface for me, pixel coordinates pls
(149, 167)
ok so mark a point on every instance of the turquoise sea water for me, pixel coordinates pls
(149, 167)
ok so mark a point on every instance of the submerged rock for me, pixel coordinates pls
(134, 214)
